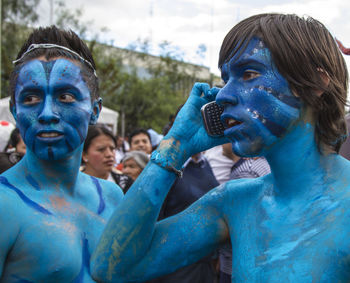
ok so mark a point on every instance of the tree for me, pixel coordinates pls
(145, 89)
(16, 16)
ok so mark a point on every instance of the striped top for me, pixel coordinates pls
(250, 168)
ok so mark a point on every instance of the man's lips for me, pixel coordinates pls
(229, 123)
(49, 135)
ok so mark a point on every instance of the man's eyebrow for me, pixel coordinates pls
(247, 61)
(32, 88)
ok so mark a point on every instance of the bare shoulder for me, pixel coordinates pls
(110, 192)
(10, 212)
(238, 192)
(239, 188)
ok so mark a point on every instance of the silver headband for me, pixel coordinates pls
(50, 45)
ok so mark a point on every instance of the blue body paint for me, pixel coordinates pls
(21, 280)
(288, 226)
(102, 205)
(53, 110)
(32, 181)
(24, 198)
(85, 264)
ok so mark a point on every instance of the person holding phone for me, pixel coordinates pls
(284, 96)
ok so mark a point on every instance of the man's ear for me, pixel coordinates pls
(13, 110)
(325, 80)
(96, 110)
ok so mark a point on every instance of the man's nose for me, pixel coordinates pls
(48, 115)
(227, 95)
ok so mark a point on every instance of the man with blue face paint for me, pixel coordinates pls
(51, 213)
(284, 96)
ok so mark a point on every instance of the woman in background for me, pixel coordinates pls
(99, 157)
(13, 152)
(134, 162)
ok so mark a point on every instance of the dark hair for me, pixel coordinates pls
(95, 131)
(137, 132)
(14, 139)
(64, 38)
(302, 49)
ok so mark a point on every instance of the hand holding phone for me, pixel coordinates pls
(211, 113)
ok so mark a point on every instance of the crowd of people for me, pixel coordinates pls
(265, 202)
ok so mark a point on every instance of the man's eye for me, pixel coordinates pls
(31, 99)
(249, 75)
(67, 98)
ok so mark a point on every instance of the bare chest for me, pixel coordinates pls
(292, 244)
(54, 245)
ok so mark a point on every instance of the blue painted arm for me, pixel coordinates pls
(132, 240)
(134, 247)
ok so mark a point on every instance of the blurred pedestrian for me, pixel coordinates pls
(99, 157)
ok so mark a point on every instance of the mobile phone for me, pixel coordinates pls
(211, 113)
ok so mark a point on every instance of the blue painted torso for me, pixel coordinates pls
(52, 233)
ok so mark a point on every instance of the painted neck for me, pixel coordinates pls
(295, 161)
(59, 174)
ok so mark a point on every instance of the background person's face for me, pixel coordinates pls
(131, 169)
(20, 146)
(100, 155)
(53, 107)
(141, 142)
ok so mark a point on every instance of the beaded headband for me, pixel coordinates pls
(50, 45)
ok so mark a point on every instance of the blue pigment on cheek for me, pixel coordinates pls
(291, 101)
(79, 132)
(274, 128)
(34, 183)
(85, 260)
(21, 280)
(23, 197)
(70, 148)
(101, 206)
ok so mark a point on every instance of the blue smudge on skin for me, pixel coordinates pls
(34, 183)
(101, 206)
(80, 134)
(21, 280)
(50, 153)
(85, 263)
(291, 101)
(23, 197)
(69, 146)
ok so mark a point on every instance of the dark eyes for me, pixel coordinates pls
(67, 98)
(250, 74)
(31, 99)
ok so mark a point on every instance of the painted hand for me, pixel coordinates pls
(188, 135)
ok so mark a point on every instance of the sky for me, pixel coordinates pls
(189, 24)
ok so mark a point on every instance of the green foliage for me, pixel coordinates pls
(146, 102)
(16, 16)
(145, 88)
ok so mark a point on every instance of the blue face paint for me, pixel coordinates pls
(53, 107)
(258, 98)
